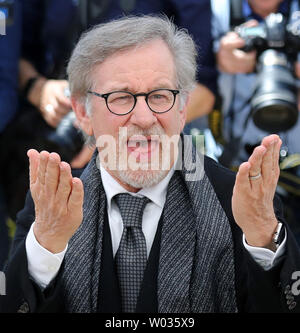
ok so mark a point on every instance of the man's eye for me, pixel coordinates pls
(161, 98)
(120, 99)
(158, 96)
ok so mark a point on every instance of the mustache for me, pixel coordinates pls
(133, 130)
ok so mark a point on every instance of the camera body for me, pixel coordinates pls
(274, 101)
(66, 139)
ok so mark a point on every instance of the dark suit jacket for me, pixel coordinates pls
(257, 290)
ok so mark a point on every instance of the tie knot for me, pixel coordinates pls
(131, 209)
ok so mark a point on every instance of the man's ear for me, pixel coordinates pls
(82, 116)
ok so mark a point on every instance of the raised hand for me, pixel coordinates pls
(58, 199)
(49, 97)
(253, 193)
(231, 59)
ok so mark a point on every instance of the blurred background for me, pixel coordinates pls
(247, 85)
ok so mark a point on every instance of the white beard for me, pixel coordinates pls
(144, 173)
(141, 178)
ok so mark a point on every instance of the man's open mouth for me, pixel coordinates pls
(143, 147)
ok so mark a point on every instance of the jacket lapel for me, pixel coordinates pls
(193, 218)
(177, 249)
(83, 258)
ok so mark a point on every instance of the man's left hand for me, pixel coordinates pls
(253, 193)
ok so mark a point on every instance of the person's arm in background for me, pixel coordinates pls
(195, 16)
(48, 96)
(10, 52)
(45, 30)
(229, 56)
(201, 102)
(44, 93)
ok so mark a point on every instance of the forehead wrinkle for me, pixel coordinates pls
(134, 87)
(139, 72)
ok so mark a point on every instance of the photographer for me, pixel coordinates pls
(9, 49)
(242, 75)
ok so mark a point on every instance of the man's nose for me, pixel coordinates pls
(141, 115)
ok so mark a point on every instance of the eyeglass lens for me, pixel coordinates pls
(123, 102)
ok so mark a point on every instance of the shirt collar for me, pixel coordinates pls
(156, 193)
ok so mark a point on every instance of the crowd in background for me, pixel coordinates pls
(35, 111)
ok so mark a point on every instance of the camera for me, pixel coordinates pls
(66, 139)
(274, 101)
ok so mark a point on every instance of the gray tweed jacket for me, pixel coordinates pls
(203, 266)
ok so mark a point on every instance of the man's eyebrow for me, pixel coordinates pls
(117, 88)
(127, 88)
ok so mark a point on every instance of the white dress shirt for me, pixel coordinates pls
(43, 265)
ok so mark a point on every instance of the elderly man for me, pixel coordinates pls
(149, 227)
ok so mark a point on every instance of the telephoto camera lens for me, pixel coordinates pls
(274, 103)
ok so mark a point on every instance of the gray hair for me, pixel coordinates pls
(103, 40)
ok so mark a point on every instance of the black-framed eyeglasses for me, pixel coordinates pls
(123, 102)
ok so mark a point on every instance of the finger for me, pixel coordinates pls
(242, 177)
(255, 161)
(62, 93)
(33, 156)
(268, 140)
(268, 161)
(276, 153)
(52, 173)
(64, 184)
(276, 156)
(250, 56)
(76, 196)
(245, 62)
(64, 101)
(251, 23)
(42, 167)
(53, 119)
(61, 110)
(48, 112)
(233, 43)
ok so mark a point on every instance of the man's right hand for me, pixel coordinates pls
(231, 59)
(58, 199)
(49, 97)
